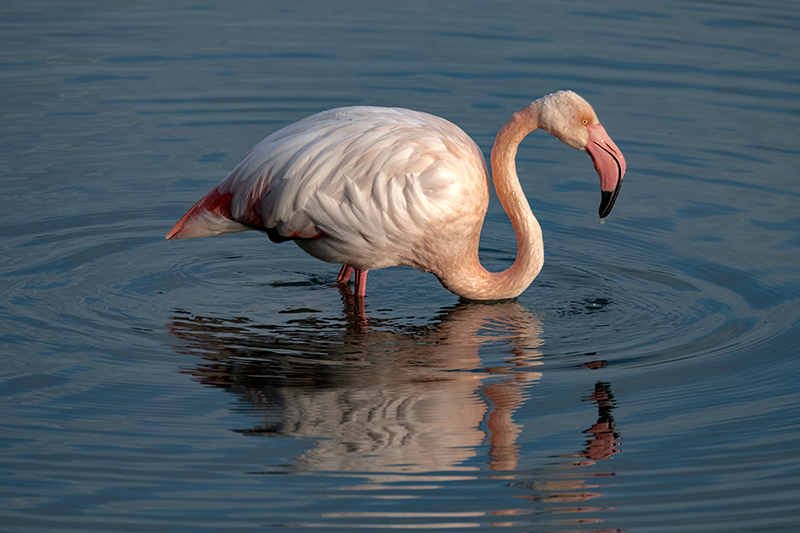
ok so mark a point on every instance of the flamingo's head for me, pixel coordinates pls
(570, 118)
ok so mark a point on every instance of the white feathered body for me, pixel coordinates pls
(368, 187)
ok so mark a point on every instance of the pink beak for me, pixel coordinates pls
(609, 164)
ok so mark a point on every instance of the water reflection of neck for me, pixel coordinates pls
(373, 394)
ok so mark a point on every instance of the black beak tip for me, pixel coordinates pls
(607, 200)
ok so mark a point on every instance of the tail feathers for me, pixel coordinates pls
(210, 216)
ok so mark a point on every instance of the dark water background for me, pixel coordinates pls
(646, 381)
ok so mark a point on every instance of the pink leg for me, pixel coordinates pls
(344, 274)
(361, 283)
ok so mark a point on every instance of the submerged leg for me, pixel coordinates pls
(360, 288)
(344, 274)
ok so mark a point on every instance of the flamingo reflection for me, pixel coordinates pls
(375, 396)
(398, 403)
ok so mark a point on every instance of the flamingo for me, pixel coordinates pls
(373, 187)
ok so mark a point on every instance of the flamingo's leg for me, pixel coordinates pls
(361, 283)
(344, 274)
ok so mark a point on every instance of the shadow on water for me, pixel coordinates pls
(397, 403)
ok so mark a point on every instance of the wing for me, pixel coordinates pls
(360, 175)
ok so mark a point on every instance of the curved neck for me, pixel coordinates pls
(474, 282)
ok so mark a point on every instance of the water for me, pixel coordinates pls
(646, 381)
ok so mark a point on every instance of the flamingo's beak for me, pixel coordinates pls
(609, 164)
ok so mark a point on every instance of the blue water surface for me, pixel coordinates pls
(645, 382)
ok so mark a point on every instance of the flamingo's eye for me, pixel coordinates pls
(585, 122)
